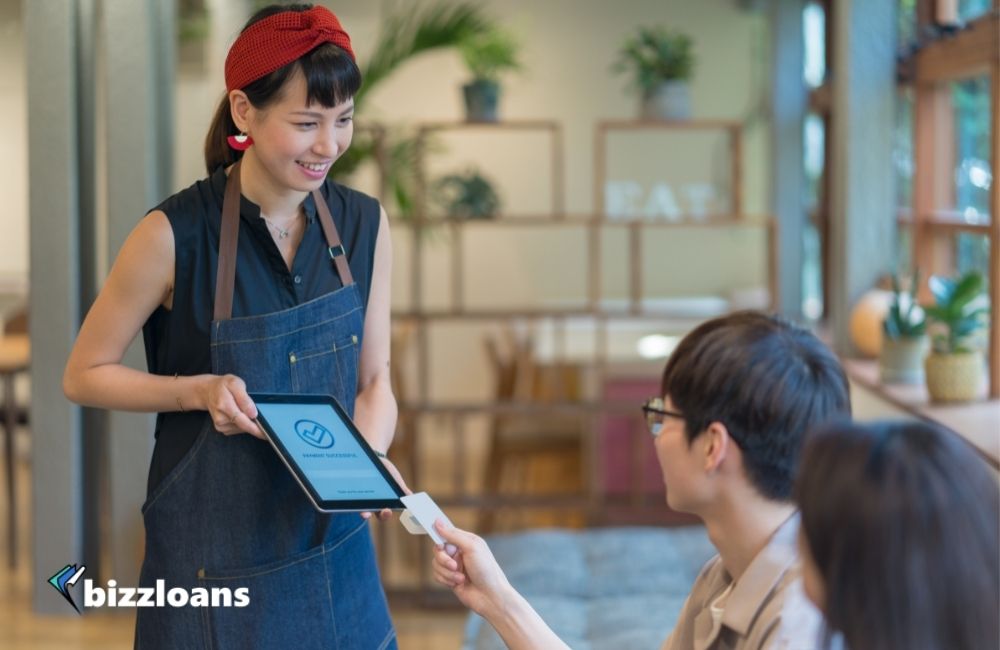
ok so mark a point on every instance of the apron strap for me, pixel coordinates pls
(225, 277)
(334, 247)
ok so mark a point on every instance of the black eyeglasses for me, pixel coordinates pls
(654, 412)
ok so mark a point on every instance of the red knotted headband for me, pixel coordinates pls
(278, 40)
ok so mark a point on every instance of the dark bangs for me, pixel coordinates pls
(332, 77)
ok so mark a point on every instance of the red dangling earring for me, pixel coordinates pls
(240, 142)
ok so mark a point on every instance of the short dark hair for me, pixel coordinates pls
(903, 522)
(767, 380)
(332, 77)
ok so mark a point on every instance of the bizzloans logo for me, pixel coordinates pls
(66, 578)
(158, 596)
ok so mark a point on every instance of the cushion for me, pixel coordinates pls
(617, 588)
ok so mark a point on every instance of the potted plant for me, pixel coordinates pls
(193, 29)
(469, 195)
(404, 35)
(660, 62)
(958, 322)
(904, 339)
(486, 54)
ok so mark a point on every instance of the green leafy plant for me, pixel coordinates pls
(404, 35)
(656, 54)
(905, 318)
(489, 53)
(468, 195)
(960, 314)
(193, 24)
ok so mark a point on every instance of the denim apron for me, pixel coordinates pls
(230, 515)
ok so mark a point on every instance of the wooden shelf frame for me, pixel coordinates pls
(452, 418)
(733, 129)
(595, 224)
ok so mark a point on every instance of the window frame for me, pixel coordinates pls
(972, 50)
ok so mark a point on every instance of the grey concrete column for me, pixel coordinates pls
(788, 110)
(862, 226)
(138, 37)
(53, 149)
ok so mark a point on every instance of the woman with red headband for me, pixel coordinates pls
(266, 277)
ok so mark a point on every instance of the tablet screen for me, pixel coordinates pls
(322, 445)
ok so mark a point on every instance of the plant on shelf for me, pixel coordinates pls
(660, 62)
(468, 195)
(958, 321)
(487, 54)
(904, 340)
(404, 35)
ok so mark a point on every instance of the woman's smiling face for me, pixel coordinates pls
(295, 142)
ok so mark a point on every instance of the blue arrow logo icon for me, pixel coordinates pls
(65, 579)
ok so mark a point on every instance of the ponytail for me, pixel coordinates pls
(218, 153)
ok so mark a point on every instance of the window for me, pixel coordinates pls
(813, 162)
(906, 24)
(972, 9)
(943, 152)
(814, 35)
(970, 103)
(815, 30)
(902, 151)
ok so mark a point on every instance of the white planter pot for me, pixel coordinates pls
(901, 361)
(671, 100)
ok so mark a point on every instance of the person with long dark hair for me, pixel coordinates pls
(267, 277)
(900, 537)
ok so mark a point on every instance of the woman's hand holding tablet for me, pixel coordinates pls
(327, 455)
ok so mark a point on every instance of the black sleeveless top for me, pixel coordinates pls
(177, 340)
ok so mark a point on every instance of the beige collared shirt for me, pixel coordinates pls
(765, 608)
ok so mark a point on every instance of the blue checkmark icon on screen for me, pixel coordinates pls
(314, 434)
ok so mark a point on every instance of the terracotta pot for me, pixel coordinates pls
(901, 361)
(955, 377)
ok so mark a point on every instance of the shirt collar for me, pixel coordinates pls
(761, 577)
(250, 211)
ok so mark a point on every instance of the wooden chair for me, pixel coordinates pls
(518, 440)
(15, 358)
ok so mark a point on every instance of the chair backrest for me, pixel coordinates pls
(18, 323)
(401, 341)
(518, 375)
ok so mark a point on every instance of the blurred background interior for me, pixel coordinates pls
(572, 186)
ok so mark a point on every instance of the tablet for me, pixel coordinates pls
(326, 453)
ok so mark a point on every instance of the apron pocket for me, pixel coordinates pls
(290, 606)
(178, 469)
(330, 370)
(327, 597)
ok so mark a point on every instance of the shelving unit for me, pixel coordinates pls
(594, 504)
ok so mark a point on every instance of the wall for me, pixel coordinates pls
(14, 158)
(558, 36)
(568, 49)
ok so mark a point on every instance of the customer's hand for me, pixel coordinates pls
(386, 514)
(471, 571)
(226, 399)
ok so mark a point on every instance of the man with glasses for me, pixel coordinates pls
(738, 396)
